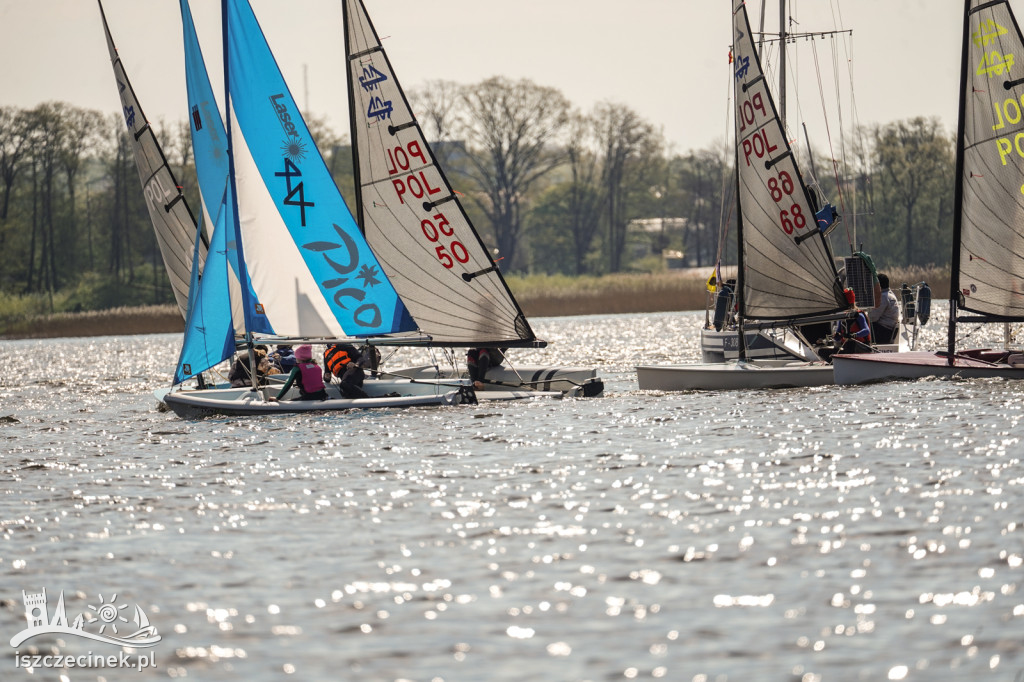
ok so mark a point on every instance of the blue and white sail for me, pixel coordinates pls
(172, 219)
(312, 272)
(412, 217)
(215, 314)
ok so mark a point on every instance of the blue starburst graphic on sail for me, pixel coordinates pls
(368, 273)
(294, 149)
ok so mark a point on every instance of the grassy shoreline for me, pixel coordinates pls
(539, 296)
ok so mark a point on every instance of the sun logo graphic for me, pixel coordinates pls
(108, 614)
(294, 149)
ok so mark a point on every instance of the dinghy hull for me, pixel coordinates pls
(871, 368)
(552, 381)
(247, 402)
(725, 376)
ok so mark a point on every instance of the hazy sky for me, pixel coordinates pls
(665, 59)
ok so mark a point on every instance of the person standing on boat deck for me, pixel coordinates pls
(479, 360)
(342, 360)
(306, 375)
(885, 317)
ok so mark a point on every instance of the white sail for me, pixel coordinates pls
(173, 222)
(788, 271)
(412, 218)
(991, 234)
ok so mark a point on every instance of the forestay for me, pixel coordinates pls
(788, 272)
(412, 218)
(173, 222)
(991, 231)
(312, 272)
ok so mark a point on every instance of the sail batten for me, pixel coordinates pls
(411, 216)
(785, 275)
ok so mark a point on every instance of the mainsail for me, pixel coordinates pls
(172, 219)
(988, 253)
(787, 269)
(311, 269)
(412, 217)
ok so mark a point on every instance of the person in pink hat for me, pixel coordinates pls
(306, 375)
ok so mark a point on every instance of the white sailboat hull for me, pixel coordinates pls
(725, 376)
(536, 380)
(245, 401)
(872, 368)
(722, 346)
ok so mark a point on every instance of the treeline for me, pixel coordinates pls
(552, 189)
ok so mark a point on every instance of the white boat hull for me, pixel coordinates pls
(773, 344)
(245, 401)
(872, 368)
(725, 376)
(767, 344)
(552, 381)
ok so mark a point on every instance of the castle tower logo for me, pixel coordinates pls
(107, 615)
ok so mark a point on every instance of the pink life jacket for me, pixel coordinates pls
(310, 377)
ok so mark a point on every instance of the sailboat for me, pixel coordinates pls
(173, 220)
(416, 225)
(719, 336)
(284, 241)
(787, 274)
(987, 280)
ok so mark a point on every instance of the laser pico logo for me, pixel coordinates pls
(106, 621)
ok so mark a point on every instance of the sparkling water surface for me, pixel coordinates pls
(837, 533)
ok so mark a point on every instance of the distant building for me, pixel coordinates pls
(652, 236)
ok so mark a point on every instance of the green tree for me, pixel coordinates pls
(511, 129)
(631, 153)
(914, 166)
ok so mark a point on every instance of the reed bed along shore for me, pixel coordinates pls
(539, 296)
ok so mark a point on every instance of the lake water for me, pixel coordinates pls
(839, 533)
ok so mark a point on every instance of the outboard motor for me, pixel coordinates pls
(909, 305)
(924, 303)
(723, 302)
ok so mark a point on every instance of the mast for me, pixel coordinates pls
(236, 228)
(782, 63)
(740, 279)
(356, 172)
(954, 279)
(739, 257)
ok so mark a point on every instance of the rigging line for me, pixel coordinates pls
(723, 223)
(842, 129)
(828, 135)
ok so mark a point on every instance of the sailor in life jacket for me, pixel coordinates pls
(853, 335)
(306, 375)
(341, 360)
(479, 360)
